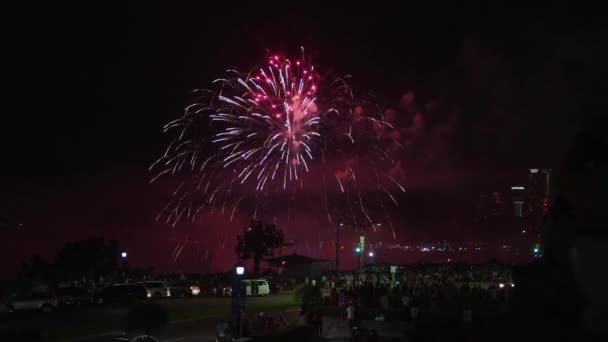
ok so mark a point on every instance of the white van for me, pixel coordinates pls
(257, 287)
(254, 287)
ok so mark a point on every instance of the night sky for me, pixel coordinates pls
(500, 88)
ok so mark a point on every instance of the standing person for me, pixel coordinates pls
(382, 280)
(384, 301)
(342, 302)
(245, 330)
(405, 301)
(333, 297)
(467, 317)
(220, 330)
(350, 315)
(414, 311)
(283, 317)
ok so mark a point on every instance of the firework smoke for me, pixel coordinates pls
(281, 128)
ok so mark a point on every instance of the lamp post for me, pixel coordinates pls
(338, 225)
(238, 295)
(125, 267)
(359, 251)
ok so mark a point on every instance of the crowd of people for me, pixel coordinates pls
(423, 289)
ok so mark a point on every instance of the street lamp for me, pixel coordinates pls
(240, 270)
(239, 293)
(371, 254)
(339, 224)
(123, 256)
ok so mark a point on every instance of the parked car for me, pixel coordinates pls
(122, 293)
(45, 302)
(158, 289)
(76, 296)
(254, 287)
(182, 288)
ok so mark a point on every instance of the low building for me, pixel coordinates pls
(299, 266)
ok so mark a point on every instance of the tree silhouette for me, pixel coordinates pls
(258, 240)
(87, 258)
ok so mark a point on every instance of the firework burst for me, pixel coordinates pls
(265, 131)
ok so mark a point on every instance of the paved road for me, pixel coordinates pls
(111, 318)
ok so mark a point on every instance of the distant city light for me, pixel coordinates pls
(240, 270)
(533, 170)
(523, 231)
(358, 249)
(123, 254)
(536, 250)
(371, 254)
(501, 285)
(518, 188)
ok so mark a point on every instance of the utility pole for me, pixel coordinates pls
(338, 225)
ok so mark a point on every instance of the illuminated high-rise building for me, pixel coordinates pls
(517, 197)
(538, 192)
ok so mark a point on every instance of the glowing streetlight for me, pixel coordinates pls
(240, 270)
(371, 254)
(123, 255)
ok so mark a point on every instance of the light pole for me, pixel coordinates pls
(338, 225)
(239, 295)
(359, 252)
(125, 267)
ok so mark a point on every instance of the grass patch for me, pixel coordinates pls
(175, 314)
(92, 328)
(203, 313)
